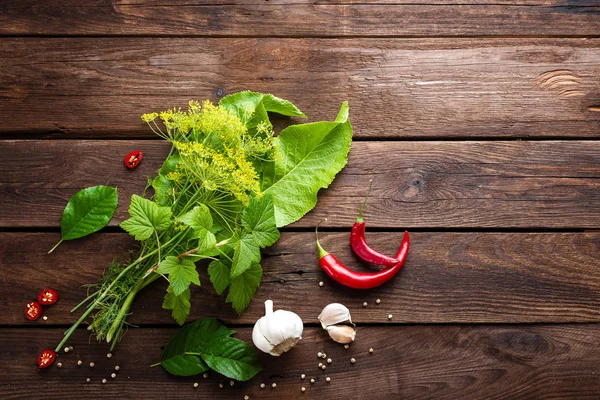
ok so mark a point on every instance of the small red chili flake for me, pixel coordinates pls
(46, 358)
(33, 311)
(132, 159)
(47, 297)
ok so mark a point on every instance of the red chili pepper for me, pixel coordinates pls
(46, 358)
(356, 280)
(33, 311)
(47, 297)
(132, 159)
(362, 249)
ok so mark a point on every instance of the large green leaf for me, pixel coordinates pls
(88, 211)
(233, 358)
(259, 218)
(207, 343)
(191, 338)
(147, 217)
(310, 156)
(245, 104)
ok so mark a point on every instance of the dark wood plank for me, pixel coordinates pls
(208, 18)
(416, 362)
(516, 184)
(397, 88)
(448, 277)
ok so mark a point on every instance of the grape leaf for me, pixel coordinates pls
(146, 218)
(219, 275)
(310, 156)
(246, 252)
(88, 211)
(244, 104)
(179, 304)
(259, 218)
(198, 218)
(243, 287)
(181, 273)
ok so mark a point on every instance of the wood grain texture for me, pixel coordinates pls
(400, 88)
(411, 362)
(448, 277)
(516, 184)
(202, 18)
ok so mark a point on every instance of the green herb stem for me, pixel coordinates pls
(55, 246)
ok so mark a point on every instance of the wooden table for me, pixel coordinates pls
(478, 122)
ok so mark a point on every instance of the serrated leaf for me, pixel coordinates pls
(198, 218)
(219, 275)
(88, 211)
(179, 304)
(246, 252)
(181, 273)
(233, 358)
(243, 287)
(259, 218)
(147, 217)
(310, 156)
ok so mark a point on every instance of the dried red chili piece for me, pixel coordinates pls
(46, 358)
(132, 159)
(47, 297)
(33, 311)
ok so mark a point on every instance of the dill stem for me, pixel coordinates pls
(84, 301)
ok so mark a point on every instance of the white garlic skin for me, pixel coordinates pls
(341, 333)
(278, 331)
(334, 313)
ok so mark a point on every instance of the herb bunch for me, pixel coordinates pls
(220, 195)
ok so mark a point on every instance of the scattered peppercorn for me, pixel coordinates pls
(352, 360)
(323, 367)
(88, 380)
(371, 350)
(321, 284)
(328, 379)
(231, 383)
(108, 355)
(103, 380)
(79, 363)
(262, 385)
(117, 368)
(45, 318)
(312, 380)
(205, 375)
(221, 385)
(302, 376)
(329, 360)
(92, 364)
(274, 385)
(346, 346)
(66, 350)
(365, 304)
(113, 375)
(246, 397)
(319, 354)
(390, 316)
(59, 365)
(195, 384)
(303, 389)
(378, 301)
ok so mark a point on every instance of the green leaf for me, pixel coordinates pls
(219, 275)
(198, 218)
(181, 273)
(233, 358)
(207, 343)
(259, 218)
(179, 304)
(246, 252)
(192, 338)
(243, 287)
(146, 218)
(88, 211)
(310, 156)
(244, 104)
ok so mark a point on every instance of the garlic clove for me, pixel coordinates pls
(341, 333)
(277, 332)
(334, 313)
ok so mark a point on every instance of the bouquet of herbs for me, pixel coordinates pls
(226, 186)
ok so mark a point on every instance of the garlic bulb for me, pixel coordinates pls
(341, 333)
(277, 332)
(334, 313)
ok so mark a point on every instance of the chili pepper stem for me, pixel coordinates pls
(362, 208)
(322, 252)
(55, 246)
